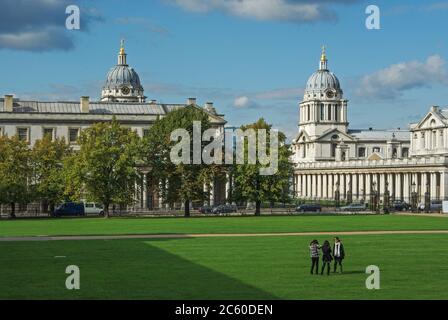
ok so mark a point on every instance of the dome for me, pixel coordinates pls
(122, 82)
(122, 75)
(323, 80)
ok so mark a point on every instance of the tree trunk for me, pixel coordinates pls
(187, 208)
(52, 209)
(106, 211)
(13, 210)
(258, 208)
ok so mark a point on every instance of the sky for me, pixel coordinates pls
(252, 58)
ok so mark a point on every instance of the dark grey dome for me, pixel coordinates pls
(122, 75)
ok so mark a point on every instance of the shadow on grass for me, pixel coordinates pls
(114, 269)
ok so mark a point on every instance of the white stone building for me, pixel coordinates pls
(122, 96)
(329, 156)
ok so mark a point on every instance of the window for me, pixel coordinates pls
(377, 149)
(73, 135)
(405, 153)
(394, 153)
(336, 110)
(322, 112)
(23, 134)
(329, 112)
(308, 112)
(362, 152)
(145, 132)
(49, 132)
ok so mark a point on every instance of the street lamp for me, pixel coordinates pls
(427, 199)
(337, 195)
(414, 197)
(386, 199)
(349, 193)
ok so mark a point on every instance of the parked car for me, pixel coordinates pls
(399, 205)
(353, 207)
(309, 207)
(70, 209)
(93, 208)
(434, 206)
(205, 209)
(224, 208)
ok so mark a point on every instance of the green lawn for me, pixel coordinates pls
(101, 226)
(412, 267)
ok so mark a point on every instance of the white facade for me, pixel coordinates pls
(329, 156)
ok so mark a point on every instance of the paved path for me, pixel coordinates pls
(210, 235)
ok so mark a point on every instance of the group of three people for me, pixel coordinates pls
(328, 255)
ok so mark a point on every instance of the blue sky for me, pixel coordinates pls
(251, 58)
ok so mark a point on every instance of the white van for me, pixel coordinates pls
(91, 208)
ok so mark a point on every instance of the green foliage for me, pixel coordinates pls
(15, 172)
(48, 169)
(251, 186)
(185, 181)
(105, 168)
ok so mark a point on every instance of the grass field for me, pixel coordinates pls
(277, 267)
(101, 226)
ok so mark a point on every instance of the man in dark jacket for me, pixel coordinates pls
(338, 253)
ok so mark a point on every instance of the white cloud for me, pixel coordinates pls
(242, 102)
(392, 81)
(279, 10)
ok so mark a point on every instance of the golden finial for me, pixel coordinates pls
(323, 57)
(122, 46)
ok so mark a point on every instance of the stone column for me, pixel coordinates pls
(361, 187)
(228, 188)
(398, 193)
(313, 186)
(319, 186)
(308, 186)
(407, 187)
(330, 186)
(355, 187)
(433, 186)
(144, 191)
(160, 195)
(325, 186)
(382, 185)
(368, 189)
(443, 185)
(205, 189)
(391, 186)
(299, 185)
(424, 181)
(342, 186)
(212, 192)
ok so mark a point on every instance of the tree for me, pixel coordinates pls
(105, 168)
(47, 161)
(182, 182)
(250, 185)
(15, 172)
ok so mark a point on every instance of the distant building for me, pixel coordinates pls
(122, 96)
(330, 157)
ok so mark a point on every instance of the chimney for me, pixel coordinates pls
(209, 108)
(8, 103)
(84, 105)
(153, 102)
(191, 101)
(435, 109)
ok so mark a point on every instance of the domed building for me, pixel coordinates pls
(122, 82)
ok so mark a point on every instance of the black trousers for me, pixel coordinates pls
(325, 264)
(315, 264)
(336, 262)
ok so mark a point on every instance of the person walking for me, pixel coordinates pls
(314, 253)
(326, 257)
(338, 253)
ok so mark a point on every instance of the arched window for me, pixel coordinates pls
(394, 153)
